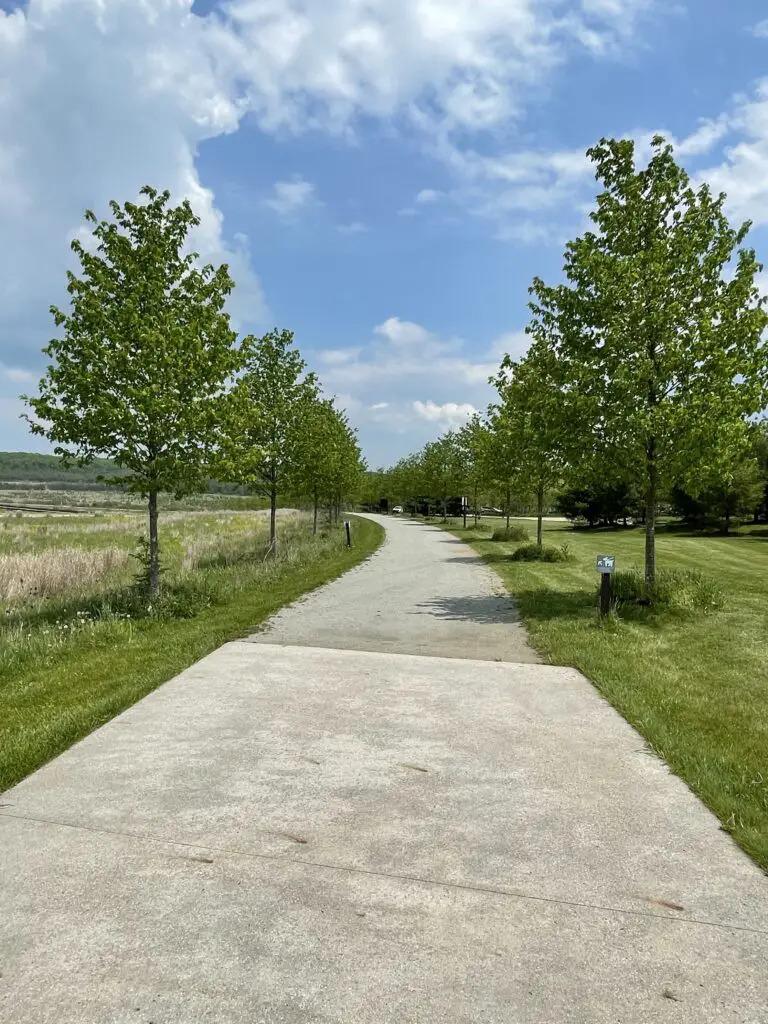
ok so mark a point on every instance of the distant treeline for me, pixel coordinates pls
(20, 470)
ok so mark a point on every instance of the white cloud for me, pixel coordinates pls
(449, 414)
(525, 193)
(291, 197)
(17, 375)
(402, 332)
(707, 135)
(402, 362)
(429, 195)
(761, 29)
(447, 62)
(355, 228)
(743, 173)
(338, 356)
(97, 100)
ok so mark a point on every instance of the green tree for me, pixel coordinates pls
(530, 418)
(443, 469)
(141, 369)
(658, 330)
(726, 502)
(314, 451)
(406, 481)
(262, 436)
(502, 467)
(473, 443)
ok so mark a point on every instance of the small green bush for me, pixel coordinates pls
(530, 553)
(686, 589)
(514, 533)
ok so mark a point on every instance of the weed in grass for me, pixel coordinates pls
(531, 553)
(680, 589)
(515, 534)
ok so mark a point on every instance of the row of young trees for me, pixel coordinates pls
(646, 364)
(147, 371)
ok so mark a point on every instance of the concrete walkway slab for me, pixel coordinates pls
(286, 834)
(424, 592)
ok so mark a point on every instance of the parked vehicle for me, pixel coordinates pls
(397, 510)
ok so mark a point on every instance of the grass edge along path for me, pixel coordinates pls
(695, 688)
(109, 680)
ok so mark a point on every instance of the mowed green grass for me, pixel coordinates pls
(52, 701)
(694, 685)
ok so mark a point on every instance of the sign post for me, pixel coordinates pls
(348, 531)
(606, 566)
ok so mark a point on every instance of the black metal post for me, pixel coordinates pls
(348, 531)
(605, 594)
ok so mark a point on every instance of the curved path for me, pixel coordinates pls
(293, 834)
(424, 592)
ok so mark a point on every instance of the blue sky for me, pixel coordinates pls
(383, 178)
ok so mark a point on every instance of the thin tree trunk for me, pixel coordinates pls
(476, 508)
(154, 548)
(651, 497)
(273, 521)
(540, 518)
(314, 515)
(509, 505)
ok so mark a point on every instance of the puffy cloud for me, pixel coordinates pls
(401, 363)
(761, 29)
(428, 195)
(449, 414)
(97, 100)
(456, 63)
(743, 173)
(291, 197)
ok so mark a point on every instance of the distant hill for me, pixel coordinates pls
(24, 470)
(31, 468)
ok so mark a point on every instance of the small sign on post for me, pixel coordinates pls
(606, 566)
(348, 531)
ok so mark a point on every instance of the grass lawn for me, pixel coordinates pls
(60, 679)
(695, 685)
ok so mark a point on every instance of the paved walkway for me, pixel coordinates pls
(301, 835)
(425, 592)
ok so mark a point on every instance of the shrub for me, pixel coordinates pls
(514, 533)
(531, 553)
(686, 589)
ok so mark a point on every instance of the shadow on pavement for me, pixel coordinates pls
(489, 610)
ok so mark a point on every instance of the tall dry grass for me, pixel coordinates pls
(59, 571)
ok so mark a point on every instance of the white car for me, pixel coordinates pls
(397, 510)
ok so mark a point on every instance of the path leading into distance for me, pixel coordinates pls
(291, 833)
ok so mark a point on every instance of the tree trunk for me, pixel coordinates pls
(273, 521)
(650, 516)
(509, 506)
(154, 550)
(445, 510)
(464, 512)
(314, 516)
(540, 518)
(476, 509)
